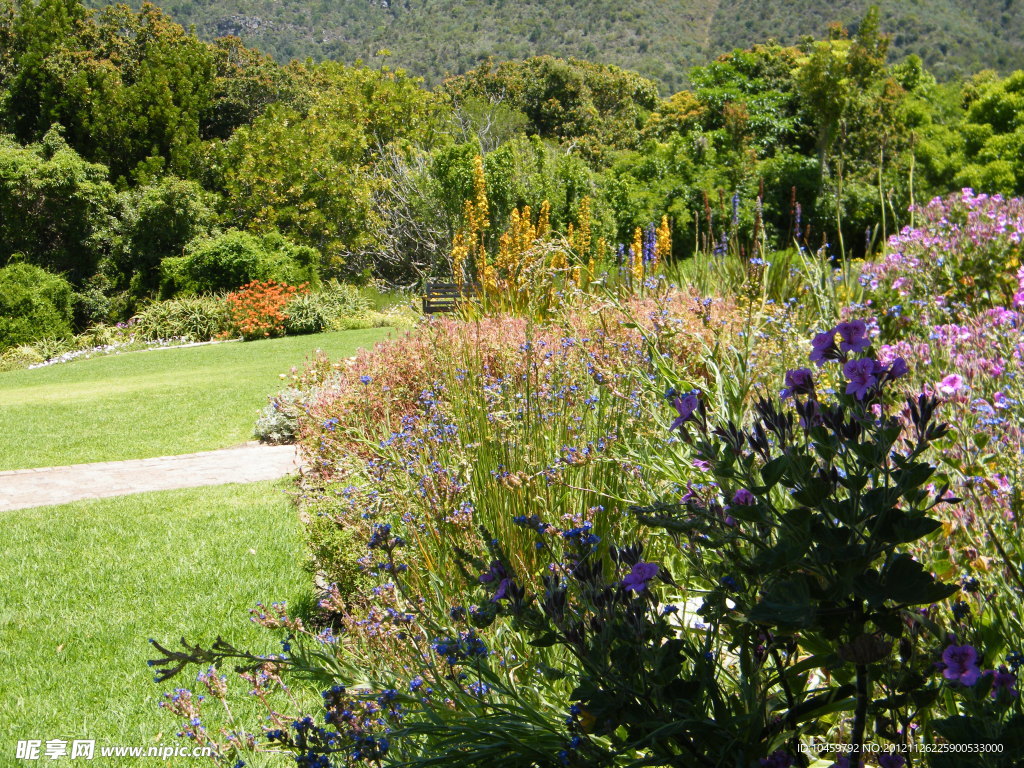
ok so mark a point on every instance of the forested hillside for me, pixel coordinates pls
(661, 39)
(139, 162)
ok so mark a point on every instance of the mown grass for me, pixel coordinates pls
(85, 585)
(144, 404)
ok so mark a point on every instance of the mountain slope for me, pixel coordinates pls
(659, 38)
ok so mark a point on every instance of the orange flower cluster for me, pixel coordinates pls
(257, 309)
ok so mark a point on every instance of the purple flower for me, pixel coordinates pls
(1003, 680)
(961, 664)
(685, 407)
(743, 497)
(951, 385)
(861, 375)
(799, 381)
(891, 760)
(777, 759)
(499, 593)
(636, 580)
(497, 573)
(897, 368)
(823, 346)
(853, 336)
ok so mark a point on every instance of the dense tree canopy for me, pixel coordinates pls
(131, 150)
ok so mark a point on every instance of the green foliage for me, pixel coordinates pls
(662, 41)
(335, 550)
(226, 261)
(54, 206)
(154, 222)
(335, 307)
(33, 303)
(594, 106)
(302, 168)
(130, 87)
(196, 318)
(23, 356)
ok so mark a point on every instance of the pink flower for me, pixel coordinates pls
(861, 375)
(961, 664)
(951, 385)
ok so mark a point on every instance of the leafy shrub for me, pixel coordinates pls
(15, 358)
(54, 205)
(33, 303)
(232, 259)
(279, 419)
(335, 552)
(197, 318)
(791, 551)
(155, 222)
(258, 309)
(308, 313)
(337, 307)
(50, 347)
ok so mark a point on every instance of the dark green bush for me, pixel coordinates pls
(33, 303)
(226, 261)
(155, 222)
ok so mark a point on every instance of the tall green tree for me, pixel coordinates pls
(55, 207)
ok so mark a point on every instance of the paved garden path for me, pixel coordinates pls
(22, 488)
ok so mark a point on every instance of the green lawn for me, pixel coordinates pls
(86, 584)
(153, 403)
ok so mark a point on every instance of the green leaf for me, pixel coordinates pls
(771, 473)
(904, 581)
(913, 475)
(785, 604)
(959, 729)
(894, 526)
(545, 641)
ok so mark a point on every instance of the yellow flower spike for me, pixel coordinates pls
(663, 240)
(583, 235)
(636, 252)
(490, 279)
(505, 260)
(480, 194)
(460, 253)
(544, 220)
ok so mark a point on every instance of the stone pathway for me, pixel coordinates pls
(249, 463)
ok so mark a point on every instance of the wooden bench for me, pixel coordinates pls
(444, 297)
